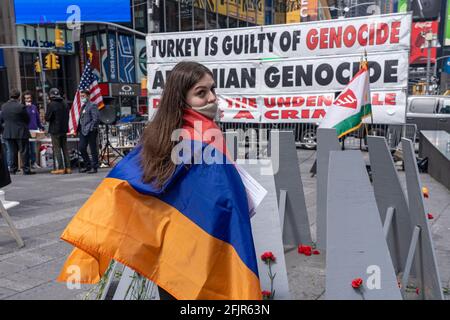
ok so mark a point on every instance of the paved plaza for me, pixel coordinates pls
(48, 202)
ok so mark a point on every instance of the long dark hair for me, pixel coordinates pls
(156, 139)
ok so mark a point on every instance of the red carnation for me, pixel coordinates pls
(417, 291)
(316, 252)
(268, 256)
(266, 294)
(430, 216)
(304, 249)
(357, 283)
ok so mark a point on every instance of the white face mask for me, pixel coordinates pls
(210, 110)
(83, 100)
(28, 103)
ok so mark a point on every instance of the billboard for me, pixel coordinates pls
(447, 26)
(291, 72)
(309, 39)
(418, 31)
(48, 11)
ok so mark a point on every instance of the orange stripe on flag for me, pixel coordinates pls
(157, 241)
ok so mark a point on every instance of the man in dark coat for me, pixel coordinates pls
(15, 118)
(88, 132)
(57, 116)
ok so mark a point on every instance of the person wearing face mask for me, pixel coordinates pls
(57, 116)
(180, 222)
(88, 132)
(34, 125)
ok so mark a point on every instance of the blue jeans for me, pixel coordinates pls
(32, 152)
(8, 157)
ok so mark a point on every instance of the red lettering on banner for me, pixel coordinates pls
(244, 114)
(324, 38)
(241, 103)
(319, 113)
(395, 31)
(390, 99)
(272, 115)
(305, 113)
(311, 39)
(156, 103)
(324, 101)
(382, 33)
(269, 102)
(363, 41)
(335, 37)
(294, 114)
(311, 101)
(284, 101)
(348, 36)
(349, 41)
(298, 101)
(289, 114)
(376, 100)
(372, 35)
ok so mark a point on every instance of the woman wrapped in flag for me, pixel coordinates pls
(174, 209)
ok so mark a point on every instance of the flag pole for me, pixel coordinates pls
(363, 61)
(367, 61)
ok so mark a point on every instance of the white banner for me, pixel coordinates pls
(310, 39)
(388, 106)
(296, 75)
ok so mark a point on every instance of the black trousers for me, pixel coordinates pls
(91, 141)
(20, 146)
(59, 142)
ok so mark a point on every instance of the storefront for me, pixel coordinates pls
(65, 78)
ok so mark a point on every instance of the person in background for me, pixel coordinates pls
(57, 116)
(16, 134)
(88, 132)
(34, 125)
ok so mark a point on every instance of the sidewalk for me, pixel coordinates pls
(47, 203)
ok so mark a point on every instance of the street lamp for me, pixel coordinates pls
(431, 42)
(345, 9)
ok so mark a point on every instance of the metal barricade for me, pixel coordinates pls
(306, 133)
(122, 134)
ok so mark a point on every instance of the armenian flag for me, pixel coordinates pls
(192, 237)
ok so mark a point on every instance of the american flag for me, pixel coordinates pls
(88, 82)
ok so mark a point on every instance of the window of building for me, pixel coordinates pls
(199, 15)
(232, 22)
(140, 8)
(186, 15)
(172, 15)
(212, 14)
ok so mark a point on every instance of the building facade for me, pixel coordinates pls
(119, 56)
